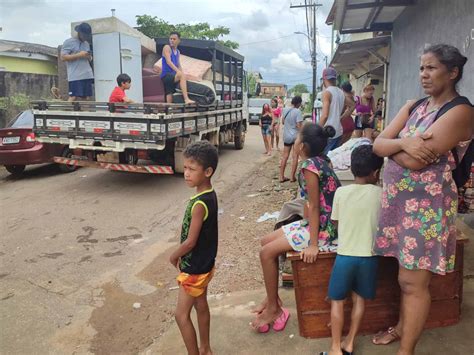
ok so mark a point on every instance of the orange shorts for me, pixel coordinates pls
(194, 285)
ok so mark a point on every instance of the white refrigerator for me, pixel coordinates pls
(113, 54)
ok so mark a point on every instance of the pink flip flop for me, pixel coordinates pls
(282, 320)
(264, 328)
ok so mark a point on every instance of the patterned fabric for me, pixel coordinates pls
(297, 233)
(417, 220)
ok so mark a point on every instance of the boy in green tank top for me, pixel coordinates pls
(195, 257)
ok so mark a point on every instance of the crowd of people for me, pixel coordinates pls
(411, 218)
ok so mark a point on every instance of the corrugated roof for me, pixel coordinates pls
(26, 47)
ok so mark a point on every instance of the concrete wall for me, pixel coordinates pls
(25, 65)
(35, 86)
(428, 22)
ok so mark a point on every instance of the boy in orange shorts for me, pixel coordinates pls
(196, 255)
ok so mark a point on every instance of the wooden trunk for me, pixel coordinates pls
(314, 309)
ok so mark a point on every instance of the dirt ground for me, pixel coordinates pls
(124, 329)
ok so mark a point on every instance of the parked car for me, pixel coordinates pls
(19, 148)
(255, 109)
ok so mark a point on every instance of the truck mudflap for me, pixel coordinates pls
(144, 169)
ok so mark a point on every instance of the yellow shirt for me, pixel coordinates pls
(356, 208)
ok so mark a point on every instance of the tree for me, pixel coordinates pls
(298, 89)
(153, 27)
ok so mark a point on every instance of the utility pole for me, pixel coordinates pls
(314, 62)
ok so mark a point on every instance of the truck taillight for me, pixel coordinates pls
(30, 137)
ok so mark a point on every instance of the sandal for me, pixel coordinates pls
(390, 331)
(280, 323)
(284, 180)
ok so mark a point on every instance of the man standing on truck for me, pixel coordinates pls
(172, 73)
(76, 52)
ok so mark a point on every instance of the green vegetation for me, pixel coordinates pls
(153, 27)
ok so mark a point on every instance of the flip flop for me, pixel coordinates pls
(345, 352)
(281, 322)
(284, 180)
(390, 331)
(263, 329)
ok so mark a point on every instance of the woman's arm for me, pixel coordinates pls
(349, 104)
(310, 254)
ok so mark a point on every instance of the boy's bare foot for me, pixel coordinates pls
(266, 317)
(189, 102)
(386, 337)
(205, 351)
(347, 347)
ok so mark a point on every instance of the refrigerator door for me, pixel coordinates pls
(107, 64)
(131, 62)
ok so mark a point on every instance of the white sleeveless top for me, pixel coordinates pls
(335, 109)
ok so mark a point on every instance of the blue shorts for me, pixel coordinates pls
(81, 88)
(333, 143)
(353, 273)
(266, 129)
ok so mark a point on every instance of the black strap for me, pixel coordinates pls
(286, 115)
(458, 100)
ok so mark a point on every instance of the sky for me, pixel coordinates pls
(263, 28)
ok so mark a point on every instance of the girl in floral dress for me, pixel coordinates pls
(419, 201)
(315, 232)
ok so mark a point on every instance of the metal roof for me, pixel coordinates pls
(353, 16)
(349, 55)
(26, 47)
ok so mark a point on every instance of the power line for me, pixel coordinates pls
(267, 40)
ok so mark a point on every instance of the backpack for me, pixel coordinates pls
(462, 171)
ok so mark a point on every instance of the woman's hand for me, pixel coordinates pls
(310, 254)
(416, 148)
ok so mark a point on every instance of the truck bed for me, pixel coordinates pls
(144, 126)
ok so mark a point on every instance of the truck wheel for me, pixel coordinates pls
(15, 170)
(128, 157)
(67, 153)
(239, 137)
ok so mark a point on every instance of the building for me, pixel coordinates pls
(273, 89)
(32, 58)
(394, 34)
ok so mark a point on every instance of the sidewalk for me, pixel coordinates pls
(231, 333)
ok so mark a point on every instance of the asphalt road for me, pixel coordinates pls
(63, 235)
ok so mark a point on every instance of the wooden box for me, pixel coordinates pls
(314, 309)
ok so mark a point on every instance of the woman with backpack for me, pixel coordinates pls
(426, 142)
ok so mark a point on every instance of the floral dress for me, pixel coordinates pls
(297, 233)
(417, 219)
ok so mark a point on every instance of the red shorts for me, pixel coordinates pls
(348, 125)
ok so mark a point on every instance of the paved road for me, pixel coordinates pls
(63, 235)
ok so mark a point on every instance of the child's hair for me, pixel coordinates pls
(123, 78)
(315, 138)
(204, 153)
(364, 161)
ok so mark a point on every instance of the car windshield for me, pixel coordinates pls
(23, 120)
(258, 102)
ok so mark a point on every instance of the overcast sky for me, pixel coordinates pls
(263, 28)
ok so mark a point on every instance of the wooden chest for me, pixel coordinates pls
(314, 309)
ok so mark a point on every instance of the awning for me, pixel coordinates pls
(350, 55)
(353, 16)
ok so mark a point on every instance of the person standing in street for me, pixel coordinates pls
(292, 122)
(77, 54)
(333, 100)
(365, 113)
(347, 121)
(276, 111)
(266, 122)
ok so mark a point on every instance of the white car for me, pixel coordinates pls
(255, 109)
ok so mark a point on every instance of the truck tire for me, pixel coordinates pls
(128, 157)
(239, 137)
(15, 170)
(67, 153)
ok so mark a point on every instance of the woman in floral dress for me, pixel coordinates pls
(419, 201)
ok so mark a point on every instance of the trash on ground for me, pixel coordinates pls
(137, 305)
(174, 288)
(220, 211)
(242, 218)
(267, 216)
(253, 195)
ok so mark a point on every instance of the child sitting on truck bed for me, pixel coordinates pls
(196, 255)
(118, 94)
